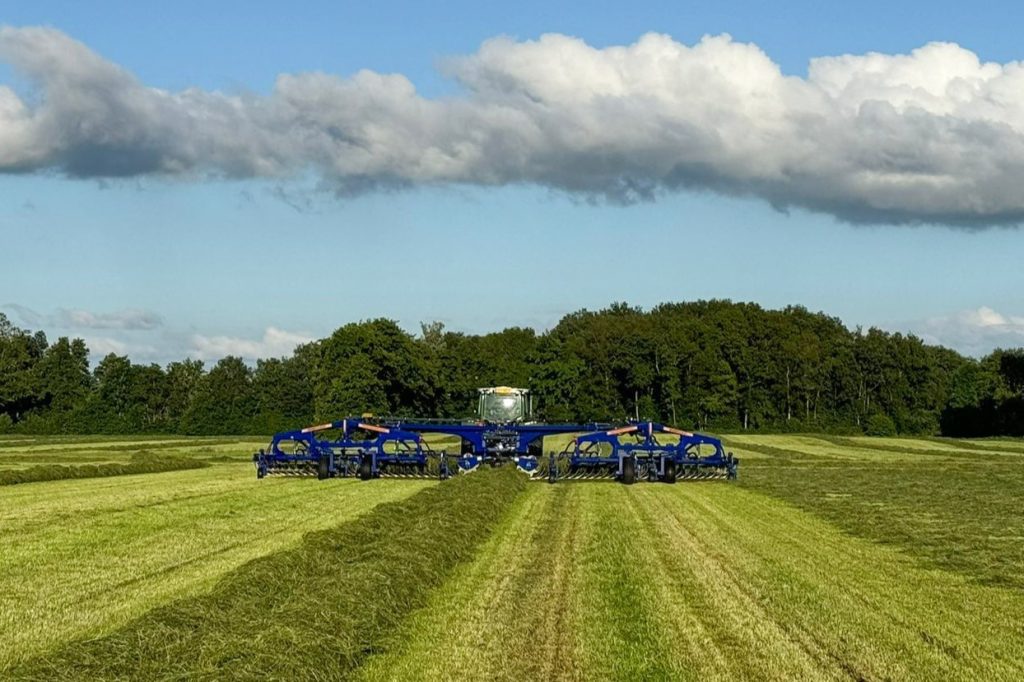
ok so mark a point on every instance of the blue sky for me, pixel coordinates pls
(160, 265)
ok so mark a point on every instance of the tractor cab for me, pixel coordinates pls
(502, 404)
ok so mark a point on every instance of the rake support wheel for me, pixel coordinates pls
(670, 471)
(629, 471)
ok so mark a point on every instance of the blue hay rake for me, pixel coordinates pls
(370, 447)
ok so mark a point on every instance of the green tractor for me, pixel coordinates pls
(503, 405)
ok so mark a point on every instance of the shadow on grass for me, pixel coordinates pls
(322, 606)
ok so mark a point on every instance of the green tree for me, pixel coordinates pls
(129, 398)
(182, 383)
(373, 366)
(114, 384)
(20, 352)
(284, 392)
(150, 390)
(880, 424)
(224, 402)
(1011, 368)
(355, 389)
(64, 376)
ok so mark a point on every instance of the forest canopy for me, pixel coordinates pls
(713, 365)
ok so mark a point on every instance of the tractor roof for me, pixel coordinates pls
(503, 390)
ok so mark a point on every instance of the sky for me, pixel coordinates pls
(202, 179)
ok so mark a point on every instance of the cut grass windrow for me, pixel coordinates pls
(835, 449)
(81, 558)
(784, 595)
(311, 612)
(933, 448)
(956, 514)
(505, 615)
(697, 582)
(84, 444)
(562, 590)
(140, 463)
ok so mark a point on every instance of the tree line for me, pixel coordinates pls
(712, 365)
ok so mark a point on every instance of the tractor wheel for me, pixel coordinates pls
(670, 471)
(629, 471)
(365, 469)
(323, 470)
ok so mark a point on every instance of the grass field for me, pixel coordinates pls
(831, 558)
(84, 556)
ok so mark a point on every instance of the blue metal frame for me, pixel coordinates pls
(647, 456)
(379, 447)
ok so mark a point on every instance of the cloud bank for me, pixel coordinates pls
(132, 319)
(934, 136)
(143, 336)
(974, 332)
(275, 343)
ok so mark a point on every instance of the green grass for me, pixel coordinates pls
(82, 557)
(839, 450)
(138, 463)
(932, 446)
(313, 611)
(697, 581)
(830, 558)
(67, 451)
(958, 510)
(999, 443)
(505, 614)
(35, 444)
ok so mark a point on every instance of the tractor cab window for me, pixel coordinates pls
(501, 408)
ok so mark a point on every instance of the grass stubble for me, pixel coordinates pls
(832, 559)
(138, 463)
(310, 612)
(960, 511)
(82, 557)
(698, 581)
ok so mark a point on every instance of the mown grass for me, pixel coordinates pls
(699, 581)
(139, 463)
(782, 594)
(929, 446)
(1008, 443)
(79, 558)
(311, 612)
(837, 449)
(958, 510)
(63, 450)
(505, 615)
(832, 558)
(102, 448)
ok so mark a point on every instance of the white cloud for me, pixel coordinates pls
(975, 332)
(932, 136)
(104, 345)
(131, 319)
(101, 346)
(142, 336)
(275, 343)
(27, 315)
(122, 319)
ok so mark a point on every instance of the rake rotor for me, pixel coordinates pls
(393, 448)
